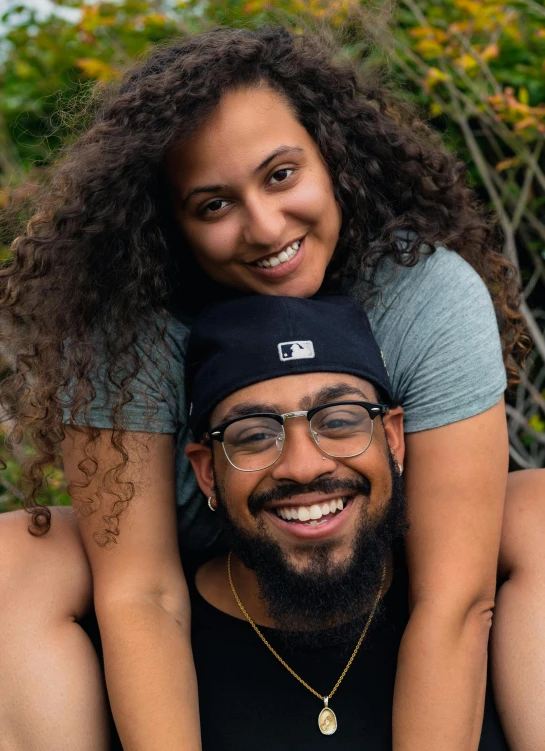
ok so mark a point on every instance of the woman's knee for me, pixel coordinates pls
(523, 528)
(48, 576)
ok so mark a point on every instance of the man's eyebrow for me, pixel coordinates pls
(336, 392)
(280, 151)
(249, 408)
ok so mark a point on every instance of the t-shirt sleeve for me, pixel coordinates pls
(436, 325)
(157, 400)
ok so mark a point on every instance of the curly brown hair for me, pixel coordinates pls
(91, 269)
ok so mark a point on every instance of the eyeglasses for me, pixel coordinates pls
(256, 441)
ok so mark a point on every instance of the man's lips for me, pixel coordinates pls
(309, 499)
(320, 490)
(313, 529)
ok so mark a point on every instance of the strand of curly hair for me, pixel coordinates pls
(90, 271)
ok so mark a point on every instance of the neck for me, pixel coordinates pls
(212, 582)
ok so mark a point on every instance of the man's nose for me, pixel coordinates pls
(301, 460)
(265, 222)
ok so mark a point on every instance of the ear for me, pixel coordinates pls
(393, 428)
(200, 457)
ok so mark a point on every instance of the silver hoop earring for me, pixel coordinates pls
(210, 503)
(399, 468)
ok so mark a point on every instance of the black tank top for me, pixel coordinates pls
(249, 702)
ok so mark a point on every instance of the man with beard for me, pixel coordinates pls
(297, 627)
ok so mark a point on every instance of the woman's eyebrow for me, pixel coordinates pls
(203, 189)
(280, 151)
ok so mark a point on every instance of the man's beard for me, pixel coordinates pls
(324, 594)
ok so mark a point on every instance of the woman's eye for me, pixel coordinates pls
(214, 206)
(281, 175)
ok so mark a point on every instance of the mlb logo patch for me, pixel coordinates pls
(296, 351)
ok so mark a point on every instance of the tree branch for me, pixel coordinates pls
(525, 190)
(517, 417)
(534, 393)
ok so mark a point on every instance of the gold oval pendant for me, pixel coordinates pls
(327, 721)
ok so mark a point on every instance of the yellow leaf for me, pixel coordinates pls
(23, 70)
(512, 31)
(490, 52)
(429, 49)
(435, 109)
(459, 27)
(524, 96)
(471, 7)
(466, 62)
(434, 76)
(94, 17)
(537, 423)
(155, 19)
(421, 32)
(526, 122)
(429, 32)
(507, 164)
(252, 7)
(94, 68)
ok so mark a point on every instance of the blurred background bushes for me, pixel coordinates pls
(476, 68)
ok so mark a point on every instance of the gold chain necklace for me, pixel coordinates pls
(327, 720)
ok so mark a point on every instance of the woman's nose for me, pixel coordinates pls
(265, 223)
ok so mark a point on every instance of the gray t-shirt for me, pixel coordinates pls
(436, 326)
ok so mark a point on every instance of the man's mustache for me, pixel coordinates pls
(325, 485)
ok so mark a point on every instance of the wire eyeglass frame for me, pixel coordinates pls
(218, 432)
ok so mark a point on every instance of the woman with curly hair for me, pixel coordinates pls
(238, 162)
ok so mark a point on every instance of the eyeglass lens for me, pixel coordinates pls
(340, 430)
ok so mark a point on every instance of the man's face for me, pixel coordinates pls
(266, 512)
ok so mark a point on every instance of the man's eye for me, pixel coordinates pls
(255, 437)
(281, 175)
(340, 421)
(336, 423)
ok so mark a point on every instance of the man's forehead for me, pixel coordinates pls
(300, 391)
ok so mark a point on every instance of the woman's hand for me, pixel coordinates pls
(455, 481)
(140, 594)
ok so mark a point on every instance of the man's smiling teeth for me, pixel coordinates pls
(311, 514)
(282, 257)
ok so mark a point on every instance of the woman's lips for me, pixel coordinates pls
(283, 269)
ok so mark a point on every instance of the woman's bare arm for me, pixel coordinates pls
(455, 480)
(141, 597)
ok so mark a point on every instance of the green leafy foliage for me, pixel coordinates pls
(49, 66)
(54, 492)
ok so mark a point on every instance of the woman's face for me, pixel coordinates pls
(253, 197)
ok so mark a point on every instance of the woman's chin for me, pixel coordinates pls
(301, 284)
(294, 290)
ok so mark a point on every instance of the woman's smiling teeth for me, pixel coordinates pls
(311, 515)
(282, 257)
